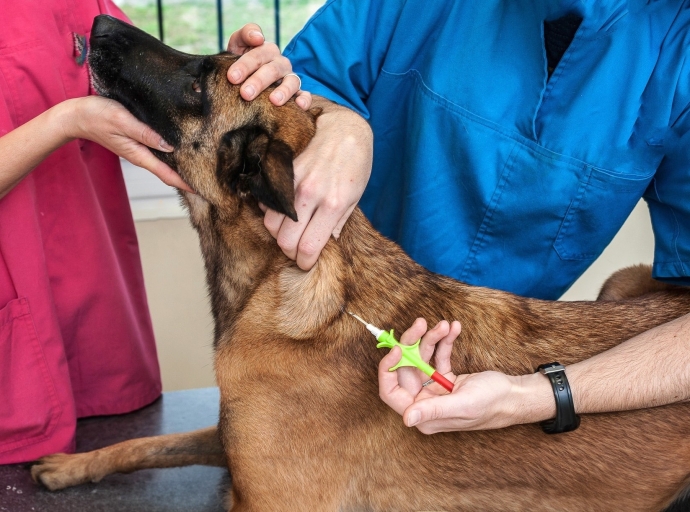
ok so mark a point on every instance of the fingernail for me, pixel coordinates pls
(278, 96)
(256, 33)
(413, 418)
(235, 75)
(249, 90)
(165, 146)
(302, 103)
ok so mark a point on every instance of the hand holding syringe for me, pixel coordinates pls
(410, 354)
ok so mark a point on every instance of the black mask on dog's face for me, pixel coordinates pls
(138, 85)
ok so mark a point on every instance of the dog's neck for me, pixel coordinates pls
(236, 249)
(240, 257)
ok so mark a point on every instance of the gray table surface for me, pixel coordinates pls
(191, 489)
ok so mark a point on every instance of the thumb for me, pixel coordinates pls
(389, 360)
(245, 38)
(426, 410)
(339, 226)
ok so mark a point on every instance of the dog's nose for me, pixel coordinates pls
(104, 26)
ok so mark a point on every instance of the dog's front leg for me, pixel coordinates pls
(198, 447)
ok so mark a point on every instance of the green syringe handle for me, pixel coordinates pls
(410, 353)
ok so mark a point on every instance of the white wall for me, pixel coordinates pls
(633, 244)
(175, 285)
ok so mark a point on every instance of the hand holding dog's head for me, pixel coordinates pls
(226, 148)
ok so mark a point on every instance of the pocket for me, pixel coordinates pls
(29, 408)
(602, 204)
(34, 79)
(519, 210)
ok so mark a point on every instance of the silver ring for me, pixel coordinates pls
(427, 383)
(298, 78)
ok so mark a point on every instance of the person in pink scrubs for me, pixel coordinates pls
(75, 333)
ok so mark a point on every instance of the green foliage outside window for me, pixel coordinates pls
(191, 26)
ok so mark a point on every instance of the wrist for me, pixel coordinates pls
(534, 400)
(64, 117)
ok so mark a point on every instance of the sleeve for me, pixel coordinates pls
(668, 198)
(340, 51)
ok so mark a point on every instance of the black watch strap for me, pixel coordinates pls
(566, 420)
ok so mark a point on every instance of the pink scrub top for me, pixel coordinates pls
(75, 332)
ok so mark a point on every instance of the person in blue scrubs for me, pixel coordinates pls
(511, 139)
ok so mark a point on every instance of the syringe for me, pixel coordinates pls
(410, 353)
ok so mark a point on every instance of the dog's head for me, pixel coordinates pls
(226, 148)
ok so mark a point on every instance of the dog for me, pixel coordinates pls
(301, 425)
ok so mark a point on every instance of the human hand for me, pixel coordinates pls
(111, 125)
(330, 177)
(479, 401)
(399, 389)
(260, 65)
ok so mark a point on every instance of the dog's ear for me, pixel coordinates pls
(250, 161)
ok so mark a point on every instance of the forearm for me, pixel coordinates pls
(345, 115)
(22, 149)
(648, 370)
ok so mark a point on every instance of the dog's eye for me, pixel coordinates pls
(196, 85)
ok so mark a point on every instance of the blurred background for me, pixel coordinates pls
(198, 26)
(173, 269)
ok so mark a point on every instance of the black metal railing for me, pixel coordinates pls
(219, 16)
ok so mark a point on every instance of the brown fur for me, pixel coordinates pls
(301, 425)
(631, 282)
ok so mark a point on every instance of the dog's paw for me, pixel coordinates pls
(60, 470)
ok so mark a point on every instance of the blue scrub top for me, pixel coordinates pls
(486, 171)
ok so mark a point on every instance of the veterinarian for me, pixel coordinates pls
(511, 140)
(75, 333)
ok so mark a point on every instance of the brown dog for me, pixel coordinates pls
(301, 425)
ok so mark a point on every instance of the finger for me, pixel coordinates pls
(246, 38)
(389, 390)
(273, 221)
(263, 67)
(432, 389)
(317, 233)
(431, 338)
(142, 157)
(135, 129)
(411, 379)
(339, 226)
(291, 232)
(303, 99)
(289, 86)
(172, 179)
(444, 349)
(416, 331)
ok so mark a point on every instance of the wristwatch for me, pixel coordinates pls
(566, 420)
